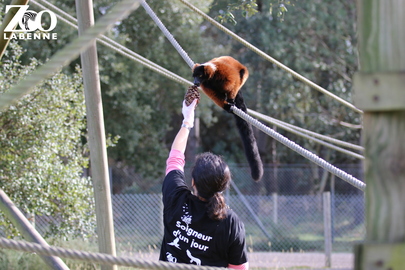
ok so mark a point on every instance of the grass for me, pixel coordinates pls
(16, 260)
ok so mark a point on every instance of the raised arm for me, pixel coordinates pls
(180, 141)
(176, 156)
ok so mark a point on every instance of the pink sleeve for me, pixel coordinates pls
(244, 266)
(175, 161)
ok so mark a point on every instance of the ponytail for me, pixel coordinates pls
(216, 207)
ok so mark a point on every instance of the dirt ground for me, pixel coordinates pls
(285, 260)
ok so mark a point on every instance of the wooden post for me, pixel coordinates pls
(10, 14)
(96, 132)
(380, 92)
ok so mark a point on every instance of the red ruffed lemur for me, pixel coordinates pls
(221, 79)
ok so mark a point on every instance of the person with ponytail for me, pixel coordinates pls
(199, 228)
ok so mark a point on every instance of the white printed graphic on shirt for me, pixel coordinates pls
(186, 218)
(175, 243)
(170, 257)
(193, 259)
(186, 234)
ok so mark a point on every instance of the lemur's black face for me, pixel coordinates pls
(199, 75)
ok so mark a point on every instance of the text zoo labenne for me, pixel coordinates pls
(28, 24)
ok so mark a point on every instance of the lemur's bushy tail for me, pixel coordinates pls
(249, 141)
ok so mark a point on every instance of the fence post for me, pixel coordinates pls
(254, 216)
(327, 228)
(275, 207)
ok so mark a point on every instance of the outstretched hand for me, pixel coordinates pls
(180, 141)
(188, 112)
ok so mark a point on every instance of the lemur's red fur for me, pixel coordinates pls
(222, 78)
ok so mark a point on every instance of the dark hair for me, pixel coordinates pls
(212, 176)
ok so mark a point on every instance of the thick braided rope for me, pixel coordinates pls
(106, 41)
(68, 53)
(302, 151)
(99, 258)
(168, 35)
(269, 58)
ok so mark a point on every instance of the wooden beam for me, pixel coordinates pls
(380, 256)
(382, 52)
(96, 135)
(385, 91)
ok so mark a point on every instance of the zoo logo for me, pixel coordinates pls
(29, 20)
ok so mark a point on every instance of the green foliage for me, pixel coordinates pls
(226, 10)
(42, 157)
(16, 260)
(280, 8)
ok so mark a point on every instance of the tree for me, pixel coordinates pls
(42, 156)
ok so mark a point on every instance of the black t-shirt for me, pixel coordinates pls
(190, 236)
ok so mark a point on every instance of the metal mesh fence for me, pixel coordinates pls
(273, 222)
(138, 221)
(292, 223)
